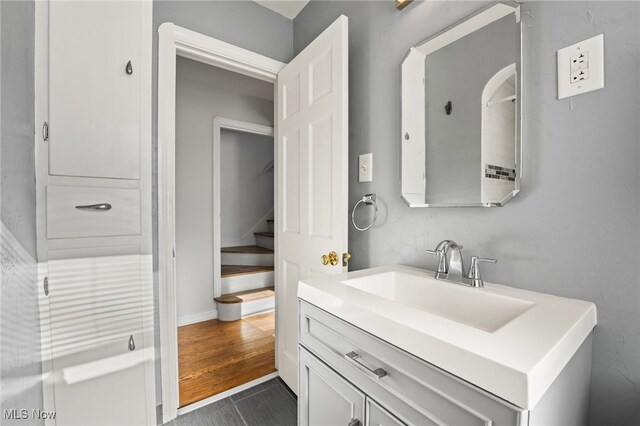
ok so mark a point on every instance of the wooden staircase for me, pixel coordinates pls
(247, 278)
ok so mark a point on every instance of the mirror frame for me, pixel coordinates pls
(474, 22)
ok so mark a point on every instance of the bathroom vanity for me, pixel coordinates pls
(395, 346)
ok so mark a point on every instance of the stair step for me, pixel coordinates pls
(238, 278)
(271, 225)
(246, 296)
(238, 270)
(248, 249)
(270, 221)
(265, 239)
(264, 234)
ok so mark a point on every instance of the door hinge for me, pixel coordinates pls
(46, 286)
(45, 131)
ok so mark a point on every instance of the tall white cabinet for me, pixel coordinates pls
(93, 154)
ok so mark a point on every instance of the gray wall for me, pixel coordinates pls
(202, 93)
(459, 73)
(246, 185)
(242, 23)
(574, 229)
(20, 369)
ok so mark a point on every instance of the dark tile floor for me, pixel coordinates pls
(269, 403)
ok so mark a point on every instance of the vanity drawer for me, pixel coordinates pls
(83, 211)
(413, 390)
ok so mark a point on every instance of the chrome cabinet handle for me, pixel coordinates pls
(132, 343)
(129, 68)
(101, 206)
(354, 422)
(353, 357)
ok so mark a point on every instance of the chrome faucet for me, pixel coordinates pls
(451, 266)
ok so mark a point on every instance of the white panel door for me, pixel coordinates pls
(312, 173)
(94, 102)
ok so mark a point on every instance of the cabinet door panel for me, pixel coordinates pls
(324, 397)
(378, 416)
(94, 104)
(97, 337)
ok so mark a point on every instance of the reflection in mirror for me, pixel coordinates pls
(461, 103)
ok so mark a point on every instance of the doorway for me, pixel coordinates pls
(311, 131)
(224, 191)
(178, 44)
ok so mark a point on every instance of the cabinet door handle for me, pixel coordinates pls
(132, 343)
(101, 206)
(129, 68)
(353, 357)
(354, 422)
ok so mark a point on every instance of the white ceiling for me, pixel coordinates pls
(287, 8)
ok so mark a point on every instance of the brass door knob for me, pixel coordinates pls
(346, 257)
(331, 258)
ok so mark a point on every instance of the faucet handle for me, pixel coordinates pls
(442, 260)
(474, 277)
(484, 259)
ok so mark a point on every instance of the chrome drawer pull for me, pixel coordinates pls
(353, 357)
(102, 206)
(354, 422)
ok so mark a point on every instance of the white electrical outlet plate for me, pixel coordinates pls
(581, 67)
(365, 168)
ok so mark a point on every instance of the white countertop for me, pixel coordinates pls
(517, 361)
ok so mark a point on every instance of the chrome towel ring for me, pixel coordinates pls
(369, 200)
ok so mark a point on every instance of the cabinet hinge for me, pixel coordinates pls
(46, 286)
(45, 131)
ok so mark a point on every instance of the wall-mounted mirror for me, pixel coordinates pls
(461, 113)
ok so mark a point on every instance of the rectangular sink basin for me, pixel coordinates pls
(508, 341)
(470, 306)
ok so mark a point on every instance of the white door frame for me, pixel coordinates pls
(175, 40)
(220, 123)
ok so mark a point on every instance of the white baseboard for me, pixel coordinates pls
(223, 395)
(199, 317)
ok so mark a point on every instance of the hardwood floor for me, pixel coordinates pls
(214, 356)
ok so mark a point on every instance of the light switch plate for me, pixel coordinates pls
(581, 67)
(365, 168)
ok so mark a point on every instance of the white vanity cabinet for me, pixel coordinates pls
(421, 351)
(93, 189)
(395, 387)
